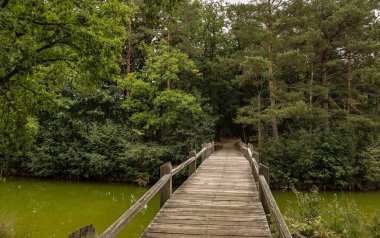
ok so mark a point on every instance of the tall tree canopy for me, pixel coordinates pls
(44, 46)
(111, 89)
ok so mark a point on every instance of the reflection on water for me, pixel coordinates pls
(45, 208)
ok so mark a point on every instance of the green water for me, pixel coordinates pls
(46, 208)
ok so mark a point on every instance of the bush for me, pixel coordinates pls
(310, 219)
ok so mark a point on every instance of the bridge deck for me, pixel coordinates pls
(219, 200)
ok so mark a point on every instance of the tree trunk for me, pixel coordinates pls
(259, 126)
(169, 39)
(311, 87)
(129, 65)
(272, 95)
(324, 62)
(349, 81)
(244, 134)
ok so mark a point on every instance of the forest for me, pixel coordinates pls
(112, 89)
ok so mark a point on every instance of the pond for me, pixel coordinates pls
(48, 208)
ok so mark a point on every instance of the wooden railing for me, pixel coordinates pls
(260, 174)
(163, 185)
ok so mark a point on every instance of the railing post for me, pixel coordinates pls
(85, 232)
(192, 165)
(264, 171)
(166, 190)
(249, 145)
(204, 155)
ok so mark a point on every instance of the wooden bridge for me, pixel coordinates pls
(226, 196)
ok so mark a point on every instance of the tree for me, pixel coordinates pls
(44, 49)
(335, 21)
(152, 107)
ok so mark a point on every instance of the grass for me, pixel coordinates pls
(310, 219)
(6, 227)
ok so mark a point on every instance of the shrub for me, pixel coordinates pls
(310, 219)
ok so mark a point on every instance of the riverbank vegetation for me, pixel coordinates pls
(6, 227)
(112, 89)
(309, 218)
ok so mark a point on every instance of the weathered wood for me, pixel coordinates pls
(261, 175)
(193, 164)
(178, 168)
(204, 155)
(119, 224)
(208, 150)
(274, 210)
(85, 232)
(166, 190)
(253, 153)
(264, 171)
(218, 146)
(219, 200)
(164, 185)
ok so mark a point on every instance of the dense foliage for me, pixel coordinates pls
(313, 66)
(112, 89)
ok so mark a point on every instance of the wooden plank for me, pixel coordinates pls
(220, 199)
(214, 211)
(165, 235)
(213, 217)
(224, 222)
(208, 230)
(85, 232)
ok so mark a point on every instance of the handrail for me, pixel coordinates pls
(261, 176)
(187, 162)
(163, 185)
(274, 210)
(124, 219)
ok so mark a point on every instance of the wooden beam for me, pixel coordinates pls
(85, 232)
(204, 155)
(282, 228)
(124, 219)
(166, 190)
(264, 170)
(193, 164)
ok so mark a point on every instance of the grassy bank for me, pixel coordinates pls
(312, 219)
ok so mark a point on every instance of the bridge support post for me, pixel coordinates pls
(264, 171)
(254, 153)
(204, 155)
(192, 165)
(166, 190)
